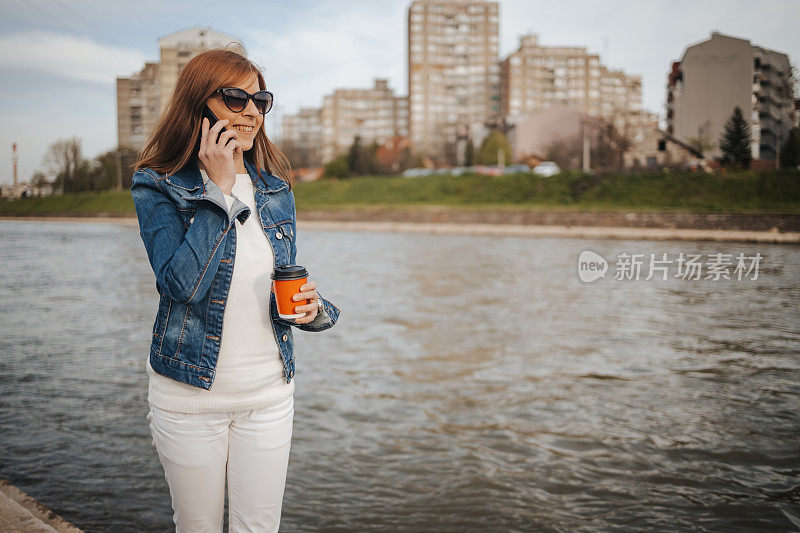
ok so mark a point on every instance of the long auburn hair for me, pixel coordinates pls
(175, 139)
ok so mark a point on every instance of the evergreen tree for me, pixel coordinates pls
(363, 160)
(494, 142)
(469, 153)
(337, 168)
(735, 140)
(355, 156)
(790, 151)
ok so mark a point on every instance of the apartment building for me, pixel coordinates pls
(537, 77)
(713, 77)
(374, 114)
(138, 106)
(301, 138)
(453, 72)
(141, 97)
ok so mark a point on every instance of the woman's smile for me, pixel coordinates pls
(244, 129)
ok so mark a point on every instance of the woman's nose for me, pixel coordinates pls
(250, 109)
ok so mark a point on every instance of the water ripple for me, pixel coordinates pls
(444, 399)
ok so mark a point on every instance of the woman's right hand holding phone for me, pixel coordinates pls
(217, 156)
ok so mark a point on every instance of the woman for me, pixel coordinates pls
(216, 214)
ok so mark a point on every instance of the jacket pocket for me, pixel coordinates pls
(187, 215)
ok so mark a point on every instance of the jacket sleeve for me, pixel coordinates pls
(184, 260)
(330, 313)
(325, 319)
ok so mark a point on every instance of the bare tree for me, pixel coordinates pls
(39, 180)
(565, 152)
(608, 145)
(301, 154)
(703, 142)
(63, 159)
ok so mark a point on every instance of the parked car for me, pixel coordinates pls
(546, 169)
(488, 171)
(417, 172)
(514, 169)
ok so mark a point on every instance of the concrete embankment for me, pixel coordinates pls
(712, 220)
(651, 225)
(582, 232)
(19, 513)
(655, 225)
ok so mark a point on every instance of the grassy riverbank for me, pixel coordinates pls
(743, 191)
(110, 203)
(746, 192)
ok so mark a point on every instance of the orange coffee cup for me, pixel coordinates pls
(286, 282)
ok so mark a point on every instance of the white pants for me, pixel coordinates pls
(197, 451)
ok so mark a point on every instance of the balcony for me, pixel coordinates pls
(769, 112)
(769, 137)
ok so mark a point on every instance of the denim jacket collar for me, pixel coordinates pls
(264, 180)
(190, 179)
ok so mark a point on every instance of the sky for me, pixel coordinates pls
(59, 58)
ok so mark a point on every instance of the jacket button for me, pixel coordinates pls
(191, 220)
(285, 337)
(278, 235)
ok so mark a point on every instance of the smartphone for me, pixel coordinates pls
(212, 119)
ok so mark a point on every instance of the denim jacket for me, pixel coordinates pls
(190, 237)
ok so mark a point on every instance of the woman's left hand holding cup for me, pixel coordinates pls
(308, 291)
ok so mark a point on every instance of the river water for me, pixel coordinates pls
(472, 383)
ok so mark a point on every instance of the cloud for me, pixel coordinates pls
(645, 37)
(325, 51)
(68, 56)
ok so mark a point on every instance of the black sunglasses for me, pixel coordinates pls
(236, 99)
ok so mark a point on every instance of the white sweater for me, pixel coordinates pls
(249, 373)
